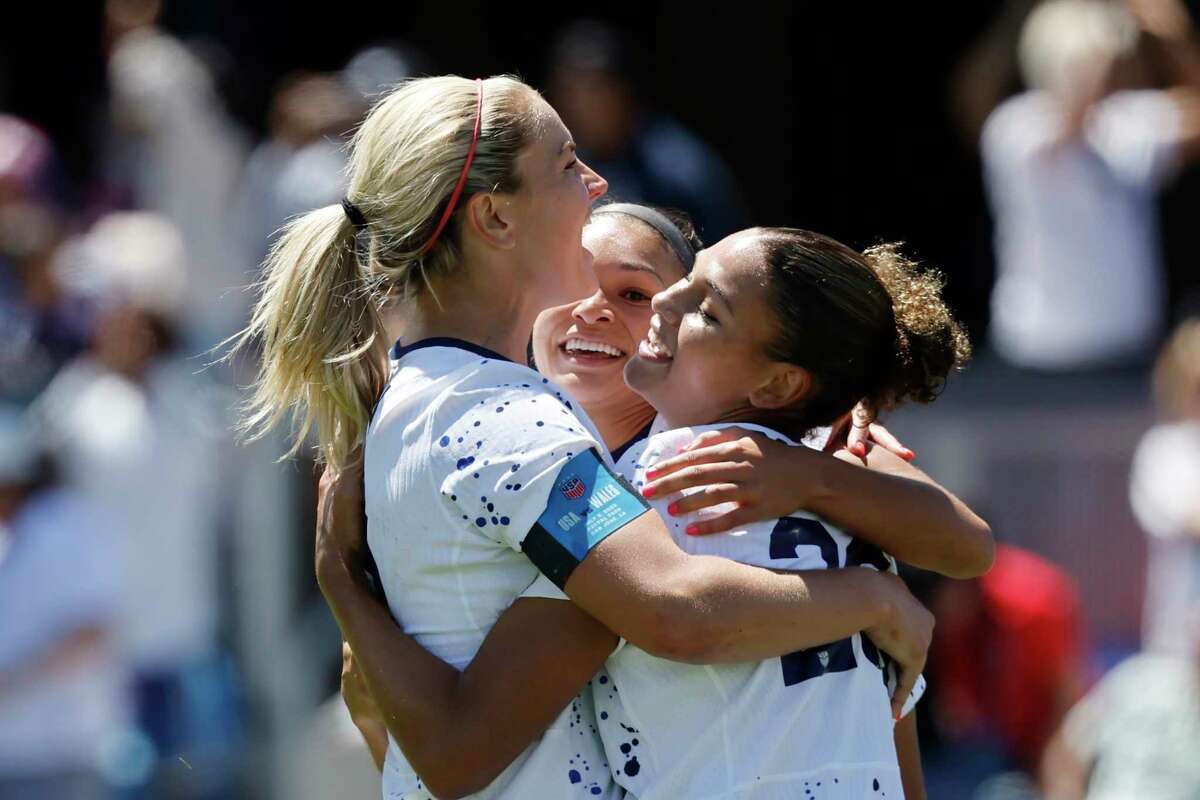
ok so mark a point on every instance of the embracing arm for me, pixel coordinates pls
(897, 507)
(709, 610)
(459, 730)
(891, 503)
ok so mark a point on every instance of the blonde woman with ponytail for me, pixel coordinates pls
(462, 221)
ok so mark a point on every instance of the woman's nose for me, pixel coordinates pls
(593, 310)
(666, 302)
(596, 185)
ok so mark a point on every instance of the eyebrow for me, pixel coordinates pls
(721, 294)
(631, 266)
(569, 144)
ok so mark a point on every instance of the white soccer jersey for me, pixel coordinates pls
(462, 456)
(815, 724)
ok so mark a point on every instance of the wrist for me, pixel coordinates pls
(822, 486)
(338, 581)
(882, 598)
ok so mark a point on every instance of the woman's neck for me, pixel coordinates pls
(472, 307)
(618, 423)
(782, 422)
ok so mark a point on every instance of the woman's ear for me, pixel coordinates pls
(491, 215)
(783, 386)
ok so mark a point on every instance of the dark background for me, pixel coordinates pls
(833, 116)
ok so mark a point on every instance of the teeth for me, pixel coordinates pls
(656, 345)
(574, 345)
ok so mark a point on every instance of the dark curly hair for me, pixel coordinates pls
(868, 326)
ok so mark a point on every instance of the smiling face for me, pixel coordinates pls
(704, 358)
(585, 345)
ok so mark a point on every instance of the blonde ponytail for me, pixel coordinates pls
(323, 355)
(323, 359)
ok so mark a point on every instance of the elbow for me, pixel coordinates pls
(976, 556)
(450, 768)
(682, 627)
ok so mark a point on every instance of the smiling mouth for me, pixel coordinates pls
(585, 350)
(652, 347)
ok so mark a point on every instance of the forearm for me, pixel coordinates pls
(908, 754)
(704, 609)
(417, 693)
(1181, 56)
(900, 509)
(375, 736)
(750, 614)
(460, 730)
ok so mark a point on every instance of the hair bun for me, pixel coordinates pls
(930, 343)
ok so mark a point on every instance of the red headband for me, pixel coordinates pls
(462, 179)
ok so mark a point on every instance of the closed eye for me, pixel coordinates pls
(571, 166)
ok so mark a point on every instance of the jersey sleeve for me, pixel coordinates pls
(522, 469)
(543, 587)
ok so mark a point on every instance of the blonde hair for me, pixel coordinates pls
(323, 360)
(1177, 371)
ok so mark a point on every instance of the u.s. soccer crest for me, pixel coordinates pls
(572, 488)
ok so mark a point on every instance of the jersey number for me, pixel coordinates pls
(791, 533)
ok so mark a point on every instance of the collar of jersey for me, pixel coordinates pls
(641, 435)
(400, 351)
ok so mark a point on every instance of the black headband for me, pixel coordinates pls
(662, 225)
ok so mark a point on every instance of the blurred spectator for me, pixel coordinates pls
(138, 432)
(1165, 494)
(1136, 733)
(1072, 167)
(646, 156)
(373, 71)
(62, 697)
(41, 327)
(1008, 653)
(29, 170)
(302, 165)
(330, 759)
(176, 151)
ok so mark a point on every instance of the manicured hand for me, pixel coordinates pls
(765, 478)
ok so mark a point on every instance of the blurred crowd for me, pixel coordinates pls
(131, 589)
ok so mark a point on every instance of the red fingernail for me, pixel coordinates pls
(693, 530)
(648, 491)
(682, 449)
(673, 508)
(651, 474)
